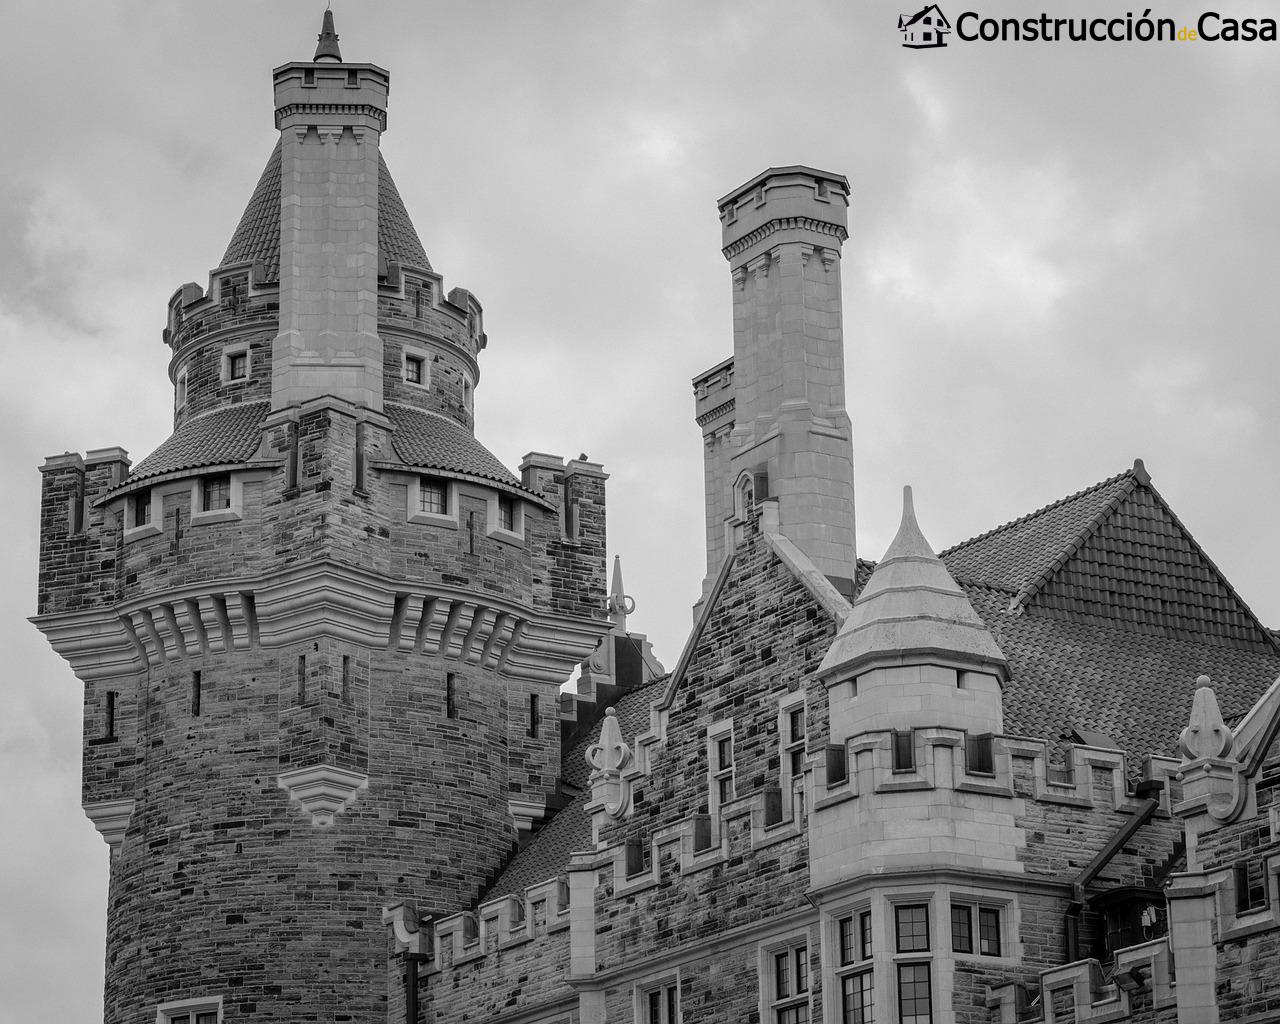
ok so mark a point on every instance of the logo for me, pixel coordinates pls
(927, 29)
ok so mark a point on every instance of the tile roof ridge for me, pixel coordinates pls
(1130, 480)
(1038, 512)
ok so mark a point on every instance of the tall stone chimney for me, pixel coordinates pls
(331, 116)
(774, 419)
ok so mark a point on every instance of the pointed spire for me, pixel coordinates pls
(912, 608)
(327, 47)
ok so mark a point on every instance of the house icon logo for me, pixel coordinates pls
(926, 29)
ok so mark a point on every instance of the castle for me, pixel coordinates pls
(322, 633)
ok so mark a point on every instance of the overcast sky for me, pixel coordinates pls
(1061, 256)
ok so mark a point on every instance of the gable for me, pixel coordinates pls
(1140, 566)
(1116, 554)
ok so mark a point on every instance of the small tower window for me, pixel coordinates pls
(414, 369)
(433, 495)
(507, 513)
(141, 508)
(238, 366)
(450, 696)
(180, 389)
(110, 731)
(904, 751)
(215, 492)
(535, 716)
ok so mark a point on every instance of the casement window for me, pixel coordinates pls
(140, 508)
(976, 929)
(190, 1011)
(720, 764)
(215, 492)
(660, 1004)
(789, 985)
(915, 994)
(433, 496)
(235, 365)
(791, 743)
(914, 983)
(855, 977)
(911, 926)
(505, 516)
(415, 369)
(1251, 886)
(979, 755)
(904, 750)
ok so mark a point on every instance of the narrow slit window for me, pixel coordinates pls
(302, 677)
(535, 719)
(110, 732)
(904, 754)
(195, 694)
(346, 677)
(450, 696)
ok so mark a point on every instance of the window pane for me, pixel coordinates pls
(726, 789)
(413, 370)
(989, 932)
(848, 951)
(655, 1008)
(507, 513)
(206, 1018)
(216, 492)
(913, 928)
(864, 924)
(915, 1005)
(781, 975)
(797, 762)
(904, 758)
(434, 496)
(857, 998)
(802, 969)
(961, 929)
(724, 751)
(673, 1004)
(796, 724)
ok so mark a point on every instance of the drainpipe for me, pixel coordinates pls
(1147, 791)
(411, 961)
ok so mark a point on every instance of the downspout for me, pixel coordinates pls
(411, 961)
(1144, 812)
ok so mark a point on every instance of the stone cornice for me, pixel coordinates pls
(717, 412)
(836, 231)
(322, 598)
(323, 791)
(111, 818)
(324, 110)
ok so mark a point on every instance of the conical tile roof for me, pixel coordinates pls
(257, 237)
(911, 607)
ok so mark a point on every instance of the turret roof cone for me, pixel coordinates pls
(327, 46)
(912, 611)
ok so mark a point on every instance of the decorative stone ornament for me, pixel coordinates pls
(608, 759)
(322, 790)
(111, 818)
(1206, 734)
(407, 927)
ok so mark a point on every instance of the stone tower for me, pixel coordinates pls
(321, 629)
(773, 417)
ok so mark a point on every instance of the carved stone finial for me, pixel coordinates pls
(1206, 734)
(618, 604)
(608, 759)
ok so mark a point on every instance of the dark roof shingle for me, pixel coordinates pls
(427, 441)
(257, 236)
(222, 437)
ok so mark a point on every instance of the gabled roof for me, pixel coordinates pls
(257, 237)
(1133, 686)
(226, 436)
(905, 22)
(1112, 553)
